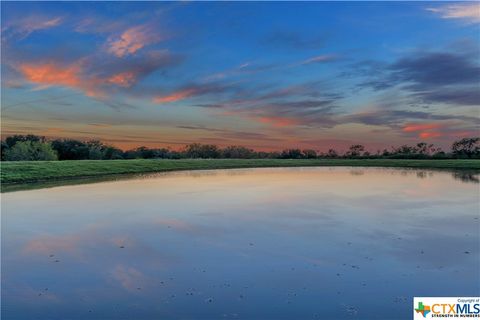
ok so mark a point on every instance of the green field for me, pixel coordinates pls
(50, 171)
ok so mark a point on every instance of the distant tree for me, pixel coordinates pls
(30, 151)
(385, 153)
(206, 151)
(237, 152)
(332, 153)
(404, 150)
(12, 140)
(70, 149)
(466, 147)
(112, 153)
(309, 154)
(291, 154)
(355, 150)
(4, 148)
(96, 149)
(145, 153)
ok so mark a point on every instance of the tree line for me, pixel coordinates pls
(38, 148)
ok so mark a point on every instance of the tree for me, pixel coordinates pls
(237, 152)
(12, 140)
(355, 150)
(332, 153)
(31, 151)
(309, 154)
(112, 153)
(70, 149)
(4, 148)
(291, 154)
(466, 147)
(197, 150)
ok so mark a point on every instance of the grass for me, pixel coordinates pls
(24, 172)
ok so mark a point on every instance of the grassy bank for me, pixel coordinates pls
(25, 172)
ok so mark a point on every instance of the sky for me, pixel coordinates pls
(266, 75)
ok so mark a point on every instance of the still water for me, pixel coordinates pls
(301, 243)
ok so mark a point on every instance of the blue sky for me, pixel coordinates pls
(267, 75)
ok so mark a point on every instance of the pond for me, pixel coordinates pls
(283, 243)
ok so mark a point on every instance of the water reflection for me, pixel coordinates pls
(297, 243)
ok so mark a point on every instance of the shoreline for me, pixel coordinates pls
(16, 176)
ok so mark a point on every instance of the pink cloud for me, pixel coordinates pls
(132, 40)
(123, 79)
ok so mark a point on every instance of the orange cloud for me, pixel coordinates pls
(73, 76)
(132, 40)
(50, 74)
(176, 96)
(421, 127)
(124, 79)
(277, 121)
(425, 130)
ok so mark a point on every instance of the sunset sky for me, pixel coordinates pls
(265, 75)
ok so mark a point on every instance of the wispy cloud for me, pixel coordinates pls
(191, 90)
(22, 28)
(467, 12)
(176, 96)
(320, 59)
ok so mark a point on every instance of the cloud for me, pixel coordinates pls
(425, 130)
(430, 134)
(428, 69)
(467, 96)
(318, 113)
(396, 118)
(52, 74)
(22, 28)
(123, 79)
(191, 90)
(176, 96)
(468, 12)
(421, 127)
(320, 59)
(132, 40)
(431, 77)
(277, 121)
(241, 135)
(96, 76)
